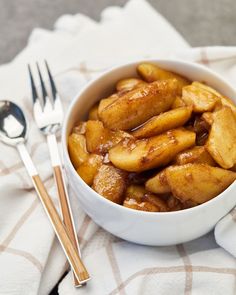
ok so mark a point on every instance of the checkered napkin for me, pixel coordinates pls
(31, 260)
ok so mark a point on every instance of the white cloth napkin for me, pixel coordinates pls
(31, 260)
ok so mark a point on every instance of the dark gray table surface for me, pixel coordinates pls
(201, 22)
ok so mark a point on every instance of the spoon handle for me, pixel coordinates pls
(59, 228)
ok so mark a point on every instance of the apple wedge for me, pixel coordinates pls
(197, 154)
(198, 182)
(221, 143)
(150, 72)
(110, 182)
(163, 122)
(77, 149)
(88, 169)
(137, 106)
(200, 97)
(139, 155)
(100, 139)
(158, 184)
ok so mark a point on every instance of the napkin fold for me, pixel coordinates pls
(31, 260)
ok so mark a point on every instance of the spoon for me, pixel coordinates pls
(13, 131)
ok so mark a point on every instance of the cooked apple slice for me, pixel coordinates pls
(200, 98)
(129, 84)
(139, 105)
(158, 184)
(138, 198)
(221, 143)
(88, 169)
(225, 101)
(110, 182)
(139, 155)
(197, 154)
(100, 139)
(163, 122)
(198, 182)
(77, 149)
(150, 72)
(93, 112)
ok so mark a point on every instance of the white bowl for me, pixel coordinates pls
(148, 228)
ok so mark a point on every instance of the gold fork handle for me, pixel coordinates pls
(59, 228)
(63, 195)
(66, 211)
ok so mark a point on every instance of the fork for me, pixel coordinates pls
(48, 114)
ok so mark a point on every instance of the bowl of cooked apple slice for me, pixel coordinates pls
(150, 150)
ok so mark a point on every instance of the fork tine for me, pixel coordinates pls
(53, 86)
(44, 91)
(33, 88)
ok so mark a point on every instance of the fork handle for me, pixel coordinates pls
(59, 228)
(63, 195)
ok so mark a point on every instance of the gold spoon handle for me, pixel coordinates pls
(59, 228)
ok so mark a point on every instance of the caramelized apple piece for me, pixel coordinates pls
(139, 105)
(93, 112)
(198, 182)
(197, 154)
(110, 182)
(77, 149)
(158, 184)
(139, 155)
(221, 143)
(225, 101)
(100, 139)
(200, 98)
(163, 122)
(150, 72)
(88, 169)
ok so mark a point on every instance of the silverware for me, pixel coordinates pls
(13, 131)
(48, 114)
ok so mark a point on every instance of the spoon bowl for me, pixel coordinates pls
(13, 124)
